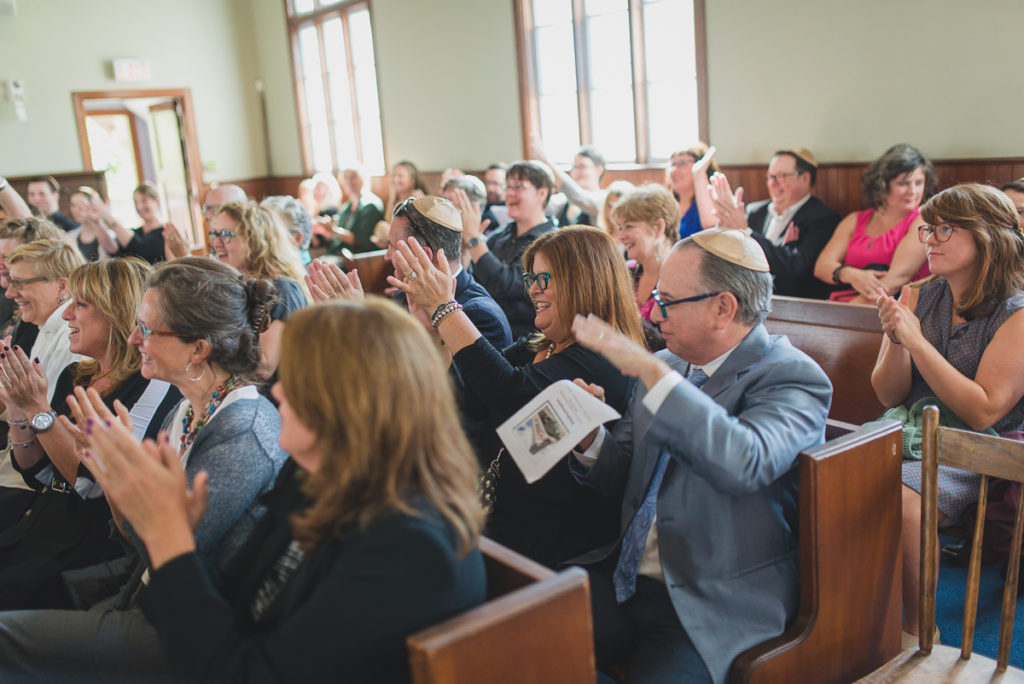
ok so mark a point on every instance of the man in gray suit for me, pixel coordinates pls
(705, 462)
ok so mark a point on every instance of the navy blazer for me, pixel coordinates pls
(792, 264)
(727, 507)
(482, 310)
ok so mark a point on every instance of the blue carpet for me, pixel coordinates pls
(949, 609)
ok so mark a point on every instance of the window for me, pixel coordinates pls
(626, 76)
(336, 84)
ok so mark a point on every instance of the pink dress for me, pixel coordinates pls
(875, 251)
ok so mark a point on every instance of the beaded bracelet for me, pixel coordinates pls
(443, 311)
(18, 422)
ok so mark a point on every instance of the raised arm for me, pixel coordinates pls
(589, 201)
(11, 201)
(702, 190)
(122, 236)
(890, 378)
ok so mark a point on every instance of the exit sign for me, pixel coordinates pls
(131, 70)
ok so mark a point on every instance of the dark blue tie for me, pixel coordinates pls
(624, 577)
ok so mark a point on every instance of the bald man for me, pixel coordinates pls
(219, 195)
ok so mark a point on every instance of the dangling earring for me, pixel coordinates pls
(201, 375)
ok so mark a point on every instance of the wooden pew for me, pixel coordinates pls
(535, 627)
(844, 339)
(373, 270)
(849, 619)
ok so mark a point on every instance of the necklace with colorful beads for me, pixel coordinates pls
(189, 435)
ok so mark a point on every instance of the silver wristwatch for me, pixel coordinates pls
(43, 421)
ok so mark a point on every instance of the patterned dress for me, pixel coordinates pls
(963, 347)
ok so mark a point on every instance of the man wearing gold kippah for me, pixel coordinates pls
(704, 459)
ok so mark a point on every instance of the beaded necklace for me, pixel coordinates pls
(188, 436)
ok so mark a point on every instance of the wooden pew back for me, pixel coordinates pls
(844, 339)
(849, 620)
(535, 627)
(373, 270)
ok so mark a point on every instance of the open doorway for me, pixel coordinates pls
(137, 135)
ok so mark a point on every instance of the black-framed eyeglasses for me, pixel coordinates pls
(542, 279)
(147, 332)
(780, 177)
(20, 283)
(664, 305)
(222, 235)
(940, 232)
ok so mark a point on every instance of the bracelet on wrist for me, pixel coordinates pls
(18, 422)
(23, 444)
(835, 274)
(443, 311)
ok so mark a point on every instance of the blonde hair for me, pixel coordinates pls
(148, 189)
(591, 278)
(648, 203)
(619, 189)
(389, 434)
(114, 287)
(272, 252)
(53, 258)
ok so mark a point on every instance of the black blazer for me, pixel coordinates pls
(554, 518)
(792, 264)
(343, 615)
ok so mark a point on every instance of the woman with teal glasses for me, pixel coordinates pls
(574, 271)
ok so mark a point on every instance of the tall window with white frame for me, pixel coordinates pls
(621, 75)
(336, 84)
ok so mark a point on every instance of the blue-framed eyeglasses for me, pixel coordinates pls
(223, 235)
(664, 305)
(542, 279)
(147, 332)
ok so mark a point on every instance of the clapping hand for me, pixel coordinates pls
(326, 281)
(427, 285)
(471, 225)
(23, 380)
(728, 206)
(145, 481)
(175, 241)
(898, 319)
(700, 166)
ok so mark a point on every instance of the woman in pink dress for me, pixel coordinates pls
(878, 247)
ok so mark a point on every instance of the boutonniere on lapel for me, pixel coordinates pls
(792, 233)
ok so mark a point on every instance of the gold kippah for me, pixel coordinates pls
(734, 246)
(440, 211)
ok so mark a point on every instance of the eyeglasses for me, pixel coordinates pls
(223, 235)
(684, 163)
(20, 283)
(517, 187)
(664, 305)
(542, 279)
(148, 332)
(780, 177)
(941, 233)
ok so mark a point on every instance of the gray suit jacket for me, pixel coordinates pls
(726, 512)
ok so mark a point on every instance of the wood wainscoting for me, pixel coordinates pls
(838, 184)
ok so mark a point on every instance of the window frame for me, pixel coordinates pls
(526, 59)
(317, 17)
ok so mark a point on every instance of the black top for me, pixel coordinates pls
(24, 336)
(89, 250)
(500, 271)
(63, 221)
(555, 518)
(343, 610)
(64, 529)
(147, 246)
